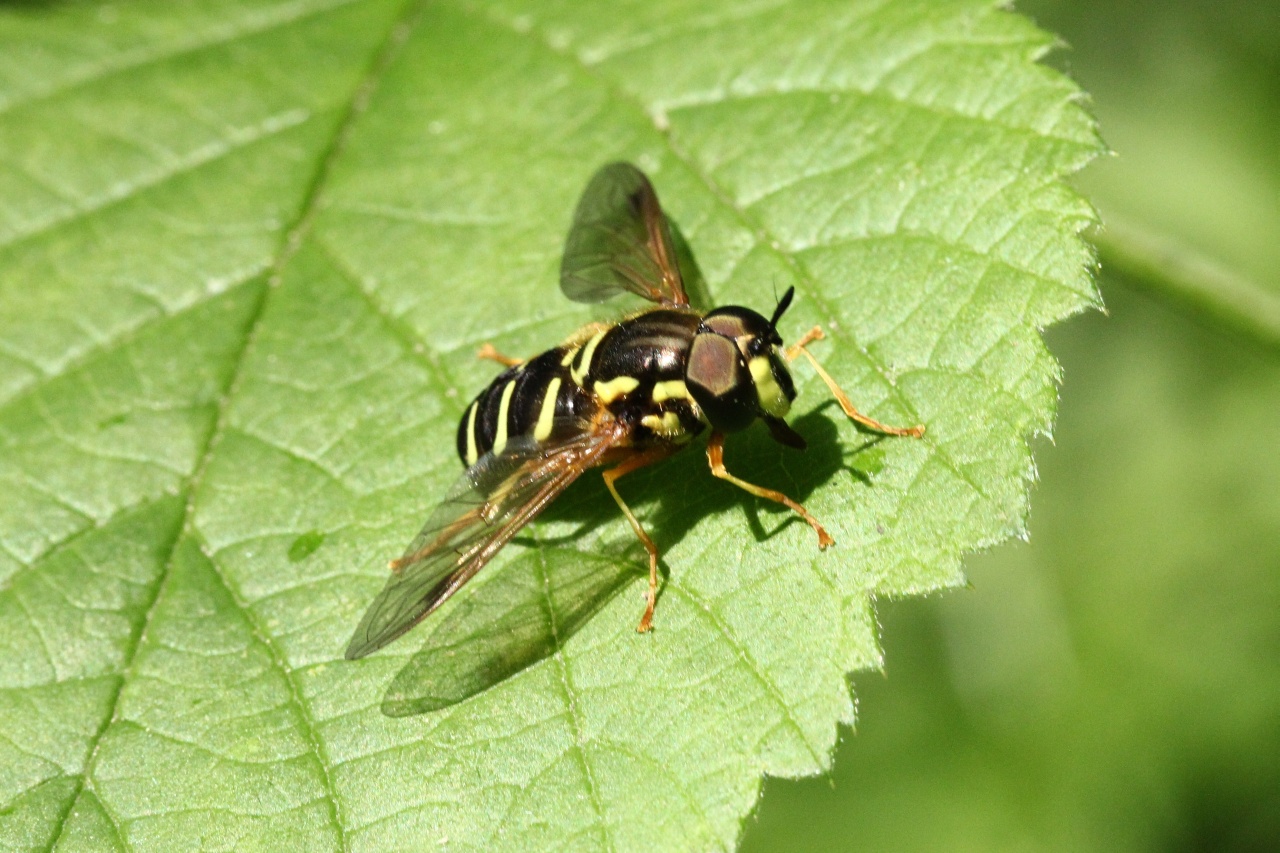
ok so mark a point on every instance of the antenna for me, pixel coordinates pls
(783, 304)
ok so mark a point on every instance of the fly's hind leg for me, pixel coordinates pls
(715, 455)
(816, 334)
(640, 460)
(489, 353)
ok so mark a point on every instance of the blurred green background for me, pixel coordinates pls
(1115, 683)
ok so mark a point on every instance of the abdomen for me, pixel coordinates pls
(537, 398)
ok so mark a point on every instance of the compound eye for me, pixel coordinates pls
(716, 364)
(719, 381)
(729, 325)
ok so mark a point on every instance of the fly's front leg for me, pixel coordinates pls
(715, 456)
(816, 334)
(640, 460)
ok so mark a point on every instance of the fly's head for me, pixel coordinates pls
(736, 372)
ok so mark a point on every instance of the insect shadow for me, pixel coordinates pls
(531, 605)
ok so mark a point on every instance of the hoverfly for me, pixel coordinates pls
(626, 394)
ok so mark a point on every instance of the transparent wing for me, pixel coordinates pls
(620, 240)
(525, 616)
(488, 505)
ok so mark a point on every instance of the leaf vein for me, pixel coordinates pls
(141, 58)
(203, 156)
(565, 682)
(381, 56)
(751, 665)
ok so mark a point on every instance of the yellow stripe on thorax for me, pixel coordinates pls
(672, 389)
(667, 426)
(615, 388)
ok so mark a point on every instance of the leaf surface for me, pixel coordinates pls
(246, 252)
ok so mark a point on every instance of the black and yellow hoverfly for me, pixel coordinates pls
(626, 394)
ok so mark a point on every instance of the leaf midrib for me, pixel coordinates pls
(383, 53)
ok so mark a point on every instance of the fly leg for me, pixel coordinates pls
(715, 455)
(488, 352)
(633, 463)
(816, 334)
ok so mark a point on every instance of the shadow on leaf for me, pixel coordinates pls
(523, 617)
(545, 597)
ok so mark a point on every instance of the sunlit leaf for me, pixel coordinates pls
(247, 250)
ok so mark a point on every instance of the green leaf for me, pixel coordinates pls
(246, 252)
